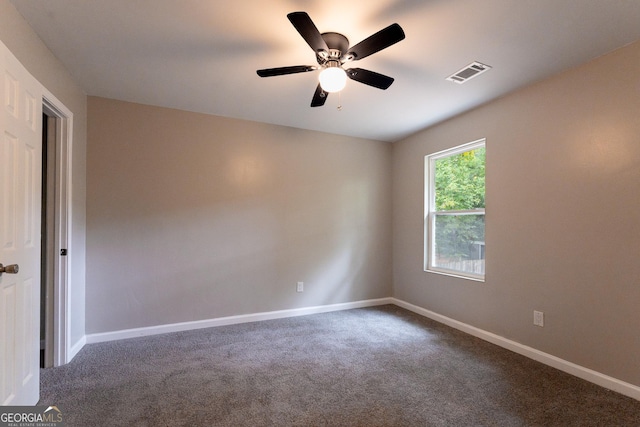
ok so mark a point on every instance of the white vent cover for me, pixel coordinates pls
(467, 73)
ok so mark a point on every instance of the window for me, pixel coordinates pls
(455, 211)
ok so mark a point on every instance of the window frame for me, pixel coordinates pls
(430, 213)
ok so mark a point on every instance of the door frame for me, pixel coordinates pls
(60, 317)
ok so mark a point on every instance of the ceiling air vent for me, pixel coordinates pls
(468, 72)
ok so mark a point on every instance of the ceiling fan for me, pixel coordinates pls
(333, 52)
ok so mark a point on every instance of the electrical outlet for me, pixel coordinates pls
(538, 318)
(300, 287)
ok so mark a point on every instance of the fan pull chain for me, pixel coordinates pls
(339, 108)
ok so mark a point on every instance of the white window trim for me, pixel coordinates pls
(429, 209)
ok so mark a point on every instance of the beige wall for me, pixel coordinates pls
(562, 224)
(196, 217)
(16, 34)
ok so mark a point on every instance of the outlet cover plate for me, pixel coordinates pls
(538, 318)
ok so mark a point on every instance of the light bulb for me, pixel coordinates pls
(333, 79)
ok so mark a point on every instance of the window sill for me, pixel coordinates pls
(455, 274)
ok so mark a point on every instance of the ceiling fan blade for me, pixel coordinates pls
(270, 72)
(308, 30)
(320, 97)
(370, 78)
(376, 42)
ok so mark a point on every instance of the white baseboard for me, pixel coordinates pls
(230, 320)
(75, 349)
(587, 374)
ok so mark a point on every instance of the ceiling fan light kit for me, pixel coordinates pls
(333, 52)
(333, 79)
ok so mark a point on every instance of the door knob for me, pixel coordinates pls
(9, 269)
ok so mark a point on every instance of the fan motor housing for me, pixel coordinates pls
(336, 41)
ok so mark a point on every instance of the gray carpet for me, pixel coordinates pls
(381, 366)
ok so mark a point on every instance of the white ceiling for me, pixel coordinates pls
(202, 56)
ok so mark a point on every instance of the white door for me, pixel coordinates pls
(20, 184)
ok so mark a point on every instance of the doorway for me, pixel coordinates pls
(47, 241)
(54, 235)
